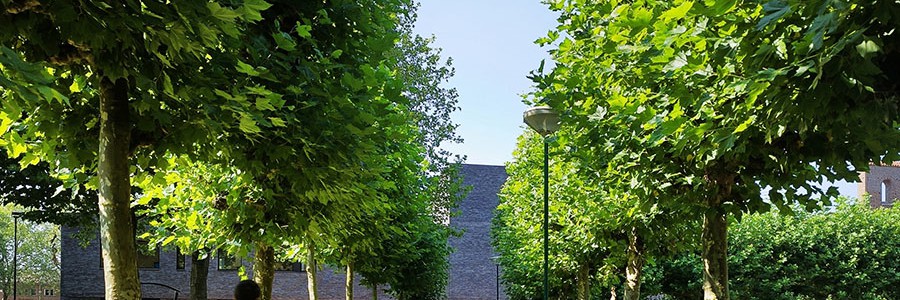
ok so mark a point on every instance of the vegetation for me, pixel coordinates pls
(38, 254)
(696, 108)
(850, 252)
(274, 127)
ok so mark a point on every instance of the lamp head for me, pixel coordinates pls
(542, 119)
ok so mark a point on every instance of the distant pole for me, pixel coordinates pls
(15, 215)
(498, 281)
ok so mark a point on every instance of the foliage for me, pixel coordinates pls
(592, 214)
(584, 227)
(850, 252)
(38, 253)
(44, 197)
(708, 104)
(126, 79)
(343, 155)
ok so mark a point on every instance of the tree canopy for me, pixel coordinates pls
(709, 103)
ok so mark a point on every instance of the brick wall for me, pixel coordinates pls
(473, 275)
(871, 183)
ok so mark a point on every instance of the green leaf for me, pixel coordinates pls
(774, 10)
(284, 41)
(867, 48)
(263, 104)
(678, 12)
(277, 122)
(746, 124)
(719, 7)
(167, 86)
(248, 125)
(220, 12)
(304, 31)
(246, 69)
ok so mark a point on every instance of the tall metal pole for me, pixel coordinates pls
(546, 213)
(15, 254)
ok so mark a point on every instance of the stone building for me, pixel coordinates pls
(473, 274)
(882, 184)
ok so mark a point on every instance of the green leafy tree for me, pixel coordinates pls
(38, 253)
(304, 188)
(89, 86)
(600, 231)
(730, 97)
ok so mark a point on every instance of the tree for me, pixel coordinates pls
(323, 152)
(602, 230)
(38, 253)
(116, 69)
(43, 197)
(732, 97)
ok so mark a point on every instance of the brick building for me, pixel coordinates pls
(881, 183)
(473, 274)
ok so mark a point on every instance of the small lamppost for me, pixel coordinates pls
(545, 121)
(16, 215)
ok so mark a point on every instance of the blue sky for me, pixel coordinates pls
(491, 43)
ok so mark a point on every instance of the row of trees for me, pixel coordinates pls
(681, 114)
(298, 131)
(37, 264)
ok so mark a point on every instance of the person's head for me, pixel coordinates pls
(247, 290)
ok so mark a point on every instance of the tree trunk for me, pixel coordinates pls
(264, 269)
(116, 223)
(348, 286)
(583, 280)
(634, 266)
(612, 293)
(715, 254)
(311, 267)
(375, 292)
(199, 274)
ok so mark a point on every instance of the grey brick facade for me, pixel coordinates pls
(473, 275)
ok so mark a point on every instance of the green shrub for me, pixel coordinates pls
(850, 252)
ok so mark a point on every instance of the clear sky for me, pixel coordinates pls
(491, 43)
(492, 46)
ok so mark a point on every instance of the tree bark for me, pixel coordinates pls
(116, 224)
(264, 269)
(199, 275)
(375, 292)
(715, 254)
(612, 293)
(634, 266)
(584, 281)
(348, 285)
(311, 267)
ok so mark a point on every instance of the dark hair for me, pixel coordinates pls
(247, 290)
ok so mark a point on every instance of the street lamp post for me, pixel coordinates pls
(545, 121)
(16, 215)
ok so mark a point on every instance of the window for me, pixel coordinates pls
(886, 191)
(147, 259)
(179, 259)
(227, 262)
